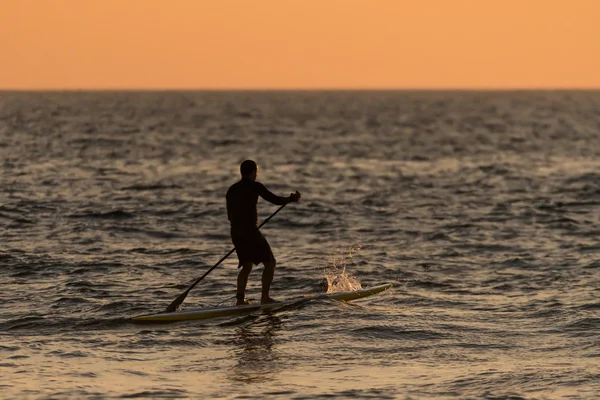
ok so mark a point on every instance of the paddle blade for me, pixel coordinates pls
(177, 302)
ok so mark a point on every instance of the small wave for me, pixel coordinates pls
(595, 264)
(563, 220)
(9, 257)
(583, 203)
(167, 212)
(415, 300)
(553, 207)
(117, 305)
(22, 323)
(88, 284)
(584, 327)
(24, 274)
(429, 284)
(589, 177)
(83, 374)
(17, 220)
(18, 357)
(589, 249)
(132, 372)
(182, 250)
(459, 226)
(9, 348)
(244, 114)
(501, 209)
(487, 247)
(548, 313)
(64, 301)
(394, 333)
(515, 262)
(494, 169)
(147, 232)
(505, 287)
(117, 214)
(74, 354)
(160, 394)
(35, 324)
(438, 236)
(151, 187)
(102, 323)
(225, 142)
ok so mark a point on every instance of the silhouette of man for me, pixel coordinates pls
(250, 245)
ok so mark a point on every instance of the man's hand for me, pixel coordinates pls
(294, 197)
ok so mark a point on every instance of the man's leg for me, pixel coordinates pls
(242, 281)
(267, 279)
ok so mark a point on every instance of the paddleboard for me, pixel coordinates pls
(218, 312)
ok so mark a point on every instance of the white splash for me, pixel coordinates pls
(337, 277)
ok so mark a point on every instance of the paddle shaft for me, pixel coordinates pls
(177, 302)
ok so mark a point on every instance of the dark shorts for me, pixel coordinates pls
(251, 246)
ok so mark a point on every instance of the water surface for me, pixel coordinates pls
(482, 208)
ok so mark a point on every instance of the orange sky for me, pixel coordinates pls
(220, 44)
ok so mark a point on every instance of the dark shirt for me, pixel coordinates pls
(242, 198)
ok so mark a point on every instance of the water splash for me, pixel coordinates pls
(336, 276)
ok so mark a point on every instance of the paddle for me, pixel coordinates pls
(177, 302)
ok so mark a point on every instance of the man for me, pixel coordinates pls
(250, 245)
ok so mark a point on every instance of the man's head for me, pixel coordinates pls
(249, 169)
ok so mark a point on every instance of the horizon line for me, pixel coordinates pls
(315, 89)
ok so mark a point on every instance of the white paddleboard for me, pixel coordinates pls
(217, 312)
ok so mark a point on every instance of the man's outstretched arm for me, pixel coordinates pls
(273, 198)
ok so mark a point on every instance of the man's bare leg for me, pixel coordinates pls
(267, 279)
(242, 281)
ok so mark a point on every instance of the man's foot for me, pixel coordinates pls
(267, 300)
(243, 302)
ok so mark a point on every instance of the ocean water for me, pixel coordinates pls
(481, 207)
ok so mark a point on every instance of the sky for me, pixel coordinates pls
(299, 44)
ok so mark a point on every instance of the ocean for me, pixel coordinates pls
(482, 208)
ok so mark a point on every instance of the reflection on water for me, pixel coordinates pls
(255, 350)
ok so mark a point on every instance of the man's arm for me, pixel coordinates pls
(270, 196)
